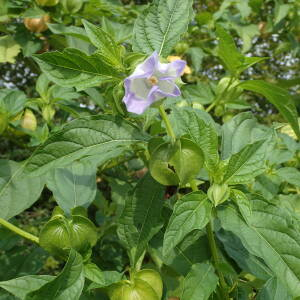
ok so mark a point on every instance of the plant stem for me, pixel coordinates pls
(214, 251)
(19, 231)
(218, 98)
(167, 123)
(215, 257)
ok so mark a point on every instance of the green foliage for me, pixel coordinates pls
(191, 212)
(195, 198)
(160, 26)
(199, 283)
(96, 134)
(17, 191)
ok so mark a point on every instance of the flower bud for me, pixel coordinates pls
(37, 25)
(218, 193)
(48, 112)
(29, 120)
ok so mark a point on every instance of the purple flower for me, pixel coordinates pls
(151, 81)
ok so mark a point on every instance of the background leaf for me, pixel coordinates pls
(74, 185)
(73, 68)
(21, 286)
(103, 136)
(17, 191)
(160, 26)
(279, 97)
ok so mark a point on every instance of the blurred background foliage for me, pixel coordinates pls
(260, 28)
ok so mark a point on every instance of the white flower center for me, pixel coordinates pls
(152, 80)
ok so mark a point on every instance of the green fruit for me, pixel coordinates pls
(71, 6)
(181, 47)
(153, 278)
(136, 290)
(172, 164)
(60, 233)
(218, 193)
(29, 120)
(47, 2)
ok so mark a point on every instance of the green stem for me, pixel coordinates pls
(167, 123)
(194, 185)
(218, 98)
(214, 251)
(19, 231)
(216, 260)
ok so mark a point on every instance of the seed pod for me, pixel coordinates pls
(71, 6)
(60, 233)
(153, 278)
(145, 285)
(37, 25)
(29, 120)
(47, 2)
(171, 164)
(218, 193)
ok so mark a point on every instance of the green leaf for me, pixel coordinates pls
(67, 285)
(102, 136)
(141, 218)
(9, 49)
(21, 286)
(234, 61)
(73, 68)
(201, 130)
(271, 233)
(279, 97)
(197, 55)
(74, 185)
(246, 261)
(200, 283)
(17, 191)
(160, 26)
(12, 101)
(108, 50)
(191, 212)
(100, 279)
(246, 164)
(290, 175)
(241, 130)
(273, 290)
(193, 249)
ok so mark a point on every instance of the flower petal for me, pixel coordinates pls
(167, 88)
(138, 86)
(137, 105)
(146, 68)
(172, 70)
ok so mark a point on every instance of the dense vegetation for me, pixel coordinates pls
(149, 151)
